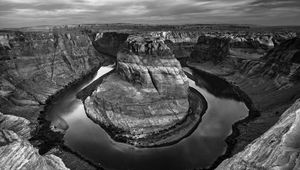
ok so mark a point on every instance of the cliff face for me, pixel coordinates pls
(210, 49)
(16, 152)
(147, 94)
(109, 42)
(278, 148)
(34, 66)
(280, 64)
(247, 45)
(271, 84)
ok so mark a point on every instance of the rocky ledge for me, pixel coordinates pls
(278, 148)
(147, 99)
(15, 150)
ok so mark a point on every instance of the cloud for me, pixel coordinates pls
(14, 13)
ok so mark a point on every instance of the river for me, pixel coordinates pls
(198, 150)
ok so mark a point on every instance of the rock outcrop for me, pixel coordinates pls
(278, 148)
(146, 97)
(280, 64)
(109, 42)
(19, 125)
(17, 153)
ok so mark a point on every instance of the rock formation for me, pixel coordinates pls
(17, 153)
(35, 66)
(280, 64)
(242, 44)
(146, 96)
(278, 148)
(109, 42)
(19, 125)
(270, 81)
(210, 49)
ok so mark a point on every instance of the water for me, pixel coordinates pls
(200, 149)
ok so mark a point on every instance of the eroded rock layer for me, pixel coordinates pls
(147, 95)
(35, 66)
(17, 153)
(19, 125)
(278, 148)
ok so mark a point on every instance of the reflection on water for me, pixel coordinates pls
(200, 149)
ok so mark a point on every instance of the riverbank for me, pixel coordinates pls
(219, 86)
(48, 141)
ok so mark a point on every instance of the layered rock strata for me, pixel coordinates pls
(17, 153)
(242, 44)
(278, 148)
(147, 96)
(35, 66)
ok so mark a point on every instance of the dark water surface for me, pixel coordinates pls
(198, 150)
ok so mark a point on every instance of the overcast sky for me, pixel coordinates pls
(18, 13)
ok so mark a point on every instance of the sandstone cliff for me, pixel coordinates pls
(16, 152)
(35, 66)
(278, 148)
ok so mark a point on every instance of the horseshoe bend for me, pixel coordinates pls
(126, 96)
(147, 97)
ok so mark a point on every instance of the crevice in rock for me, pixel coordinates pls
(153, 81)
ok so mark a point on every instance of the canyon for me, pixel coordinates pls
(148, 99)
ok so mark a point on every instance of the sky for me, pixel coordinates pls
(21, 13)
